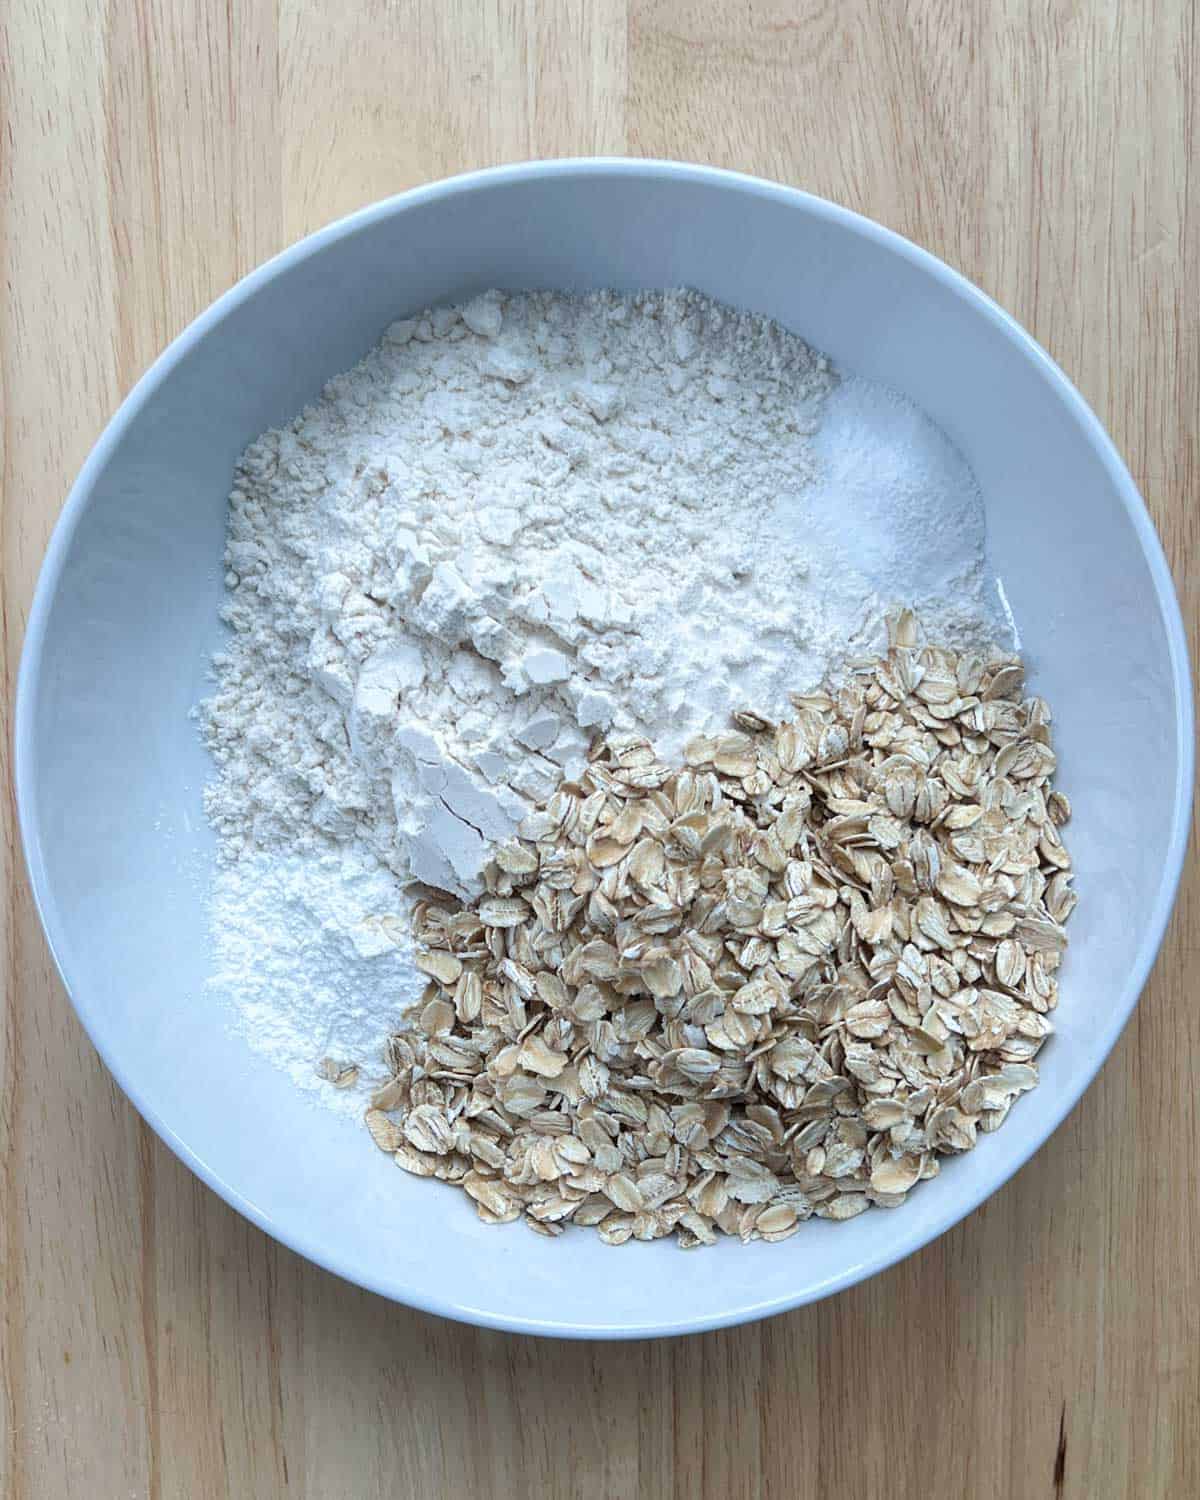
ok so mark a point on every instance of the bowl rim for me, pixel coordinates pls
(26, 767)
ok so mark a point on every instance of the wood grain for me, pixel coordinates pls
(153, 1344)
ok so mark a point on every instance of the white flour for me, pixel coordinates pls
(514, 525)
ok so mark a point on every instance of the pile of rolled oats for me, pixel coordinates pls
(778, 981)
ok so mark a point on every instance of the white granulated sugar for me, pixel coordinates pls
(894, 518)
(514, 525)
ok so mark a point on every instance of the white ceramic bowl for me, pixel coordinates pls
(109, 768)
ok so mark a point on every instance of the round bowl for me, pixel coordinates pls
(109, 768)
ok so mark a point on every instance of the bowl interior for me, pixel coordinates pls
(110, 769)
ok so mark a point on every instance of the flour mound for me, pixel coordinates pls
(516, 524)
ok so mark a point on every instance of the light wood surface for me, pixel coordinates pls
(152, 1343)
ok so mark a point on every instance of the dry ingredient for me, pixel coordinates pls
(780, 980)
(529, 520)
(516, 525)
(313, 955)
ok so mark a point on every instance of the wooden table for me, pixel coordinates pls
(153, 1344)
